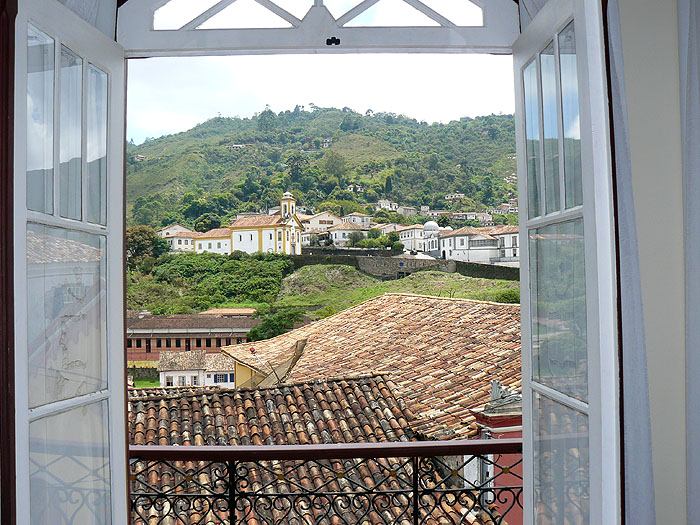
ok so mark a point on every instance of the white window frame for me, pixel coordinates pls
(94, 47)
(600, 253)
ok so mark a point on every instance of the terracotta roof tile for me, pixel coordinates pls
(216, 233)
(348, 226)
(258, 220)
(441, 353)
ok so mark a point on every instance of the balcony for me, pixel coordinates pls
(475, 482)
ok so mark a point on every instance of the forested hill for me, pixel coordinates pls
(181, 177)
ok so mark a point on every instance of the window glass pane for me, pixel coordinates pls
(66, 311)
(561, 463)
(69, 467)
(551, 130)
(532, 138)
(558, 304)
(70, 197)
(40, 91)
(97, 146)
(570, 115)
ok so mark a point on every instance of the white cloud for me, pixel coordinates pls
(173, 94)
(168, 95)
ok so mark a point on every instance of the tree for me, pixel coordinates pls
(388, 186)
(143, 242)
(334, 163)
(298, 163)
(393, 237)
(374, 233)
(276, 323)
(206, 222)
(444, 221)
(267, 120)
(355, 237)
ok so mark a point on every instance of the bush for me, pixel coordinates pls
(397, 247)
(276, 323)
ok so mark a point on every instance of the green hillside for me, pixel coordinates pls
(180, 177)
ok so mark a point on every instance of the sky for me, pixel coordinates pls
(170, 95)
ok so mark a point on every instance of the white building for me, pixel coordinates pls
(171, 230)
(321, 221)
(279, 233)
(431, 237)
(341, 233)
(182, 242)
(508, 245)
(217, 240)
(455, 196)
(196, 368)
(408, 211)
(361, 219)
(387, 228)
(383, 204)
(468, 245)
(412, 237)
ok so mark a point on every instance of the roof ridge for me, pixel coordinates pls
(463, 299)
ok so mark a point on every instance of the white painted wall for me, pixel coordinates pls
(181, 244)
(246, 240)
(209, 379)
(220, 246)
(187, 374)
(457, 249)
(650, 53)
(322, 221)
(172, 230)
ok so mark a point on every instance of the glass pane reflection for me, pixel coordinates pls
(66, 310)
(532, 138)
(551, 130)
(558, 308)
(97, 146)
(70, 197)
(561, 463)
(570, 116)
(69, 467)
(40, 85)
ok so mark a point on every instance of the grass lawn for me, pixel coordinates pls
(323, 290)
(146, 383)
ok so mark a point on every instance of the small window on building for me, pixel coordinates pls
(240, 238)
(158, 343)
(128, 343)
(186, 242)
(177, 343)
(193, 380)
(220, 378)
(218, 342)
(199, 343)
(168, 343)
(287, 234)
(208, 343)
(218, 245)
(209, 246)
(270, 236)
(168, 380)
(208, 376)
(461, 242)
(251, 236)
(181, 381)
(228, 341)
(138, 343)
(279, 236)
(179, 241)
(239, 340)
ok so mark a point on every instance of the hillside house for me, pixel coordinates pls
(618, 414)
(340, 233)
(407, 211)
(217, 240)
(196, 368)
(182, 242)
(321, 221)
(361, 219)
(508, 244)
(455, 197)
(172, 230)
(148, 335)
(383, 204)
(411, 237)
(469, 245)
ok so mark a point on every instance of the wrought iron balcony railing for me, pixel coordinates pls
(425, 482)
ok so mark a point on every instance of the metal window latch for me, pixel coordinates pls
(333, 41)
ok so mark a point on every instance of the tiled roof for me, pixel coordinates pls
(187, 235)
(500, 230)
(356, 214)
(258, 220)
(218, 362)
(182, 360)
(441, 353)
(361, 409)
(467, 230)
(186, 321)
(216, 233)
(347, 226)
(350, 410)
(411, 227)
